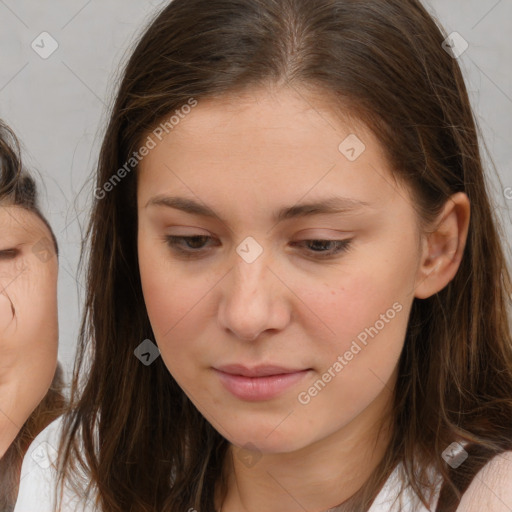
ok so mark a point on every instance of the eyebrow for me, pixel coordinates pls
(327, 206)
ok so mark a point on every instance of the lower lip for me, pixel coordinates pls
(259, 388)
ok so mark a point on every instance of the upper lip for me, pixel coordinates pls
(257, 371)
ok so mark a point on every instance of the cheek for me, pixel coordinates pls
(355, 299)
(364, 311)
(165, 292)
(37, 323)
(29, 340)
(173, 303)
(367, 317)
(33, 294)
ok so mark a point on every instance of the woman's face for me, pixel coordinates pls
(279, 342)
(28, 317)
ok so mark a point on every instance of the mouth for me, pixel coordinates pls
(257, 371)
(259, 382)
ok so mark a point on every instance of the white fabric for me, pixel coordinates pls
(38, 479)
(38, 476)
(388, 500)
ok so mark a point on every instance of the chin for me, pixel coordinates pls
(265, 440)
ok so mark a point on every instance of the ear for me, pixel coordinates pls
(443, 247)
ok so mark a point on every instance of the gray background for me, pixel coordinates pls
(58, 106)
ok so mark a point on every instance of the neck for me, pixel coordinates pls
(317, 477)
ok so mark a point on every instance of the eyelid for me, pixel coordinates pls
(323, 233)
(197, 231)
(188, 231)
(343, 246)
(304, 235)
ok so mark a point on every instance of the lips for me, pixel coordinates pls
(259, 382)
(257, 371)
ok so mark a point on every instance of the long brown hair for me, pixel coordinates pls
(382, 62)
(18, 188)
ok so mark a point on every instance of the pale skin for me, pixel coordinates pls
(246, 157)
(28, 317)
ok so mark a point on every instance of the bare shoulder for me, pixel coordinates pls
(491, 489)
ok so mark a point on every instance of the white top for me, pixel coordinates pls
(38, 478)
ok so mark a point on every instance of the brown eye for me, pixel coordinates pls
(8, 254)
(320, 248)
(187, 246)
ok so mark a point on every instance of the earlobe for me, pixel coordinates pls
(443, 247)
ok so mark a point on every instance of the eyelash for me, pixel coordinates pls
(173, 243)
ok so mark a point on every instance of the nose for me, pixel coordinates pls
(254, 300)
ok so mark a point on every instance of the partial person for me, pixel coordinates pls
(31, 379)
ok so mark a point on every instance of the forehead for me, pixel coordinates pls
(266, 145)
(18, 220)
(264, 120)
